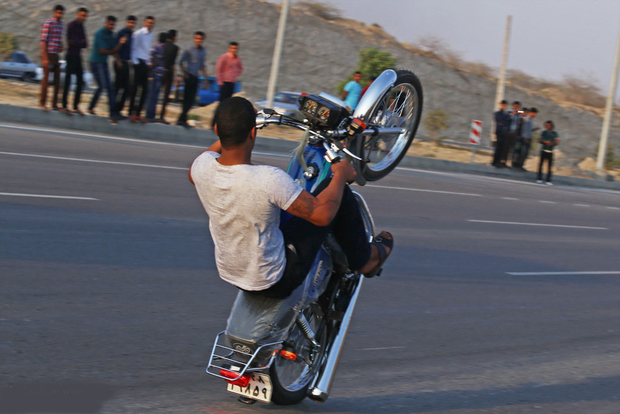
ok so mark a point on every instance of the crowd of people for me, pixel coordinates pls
(144, 65)
(514, 131)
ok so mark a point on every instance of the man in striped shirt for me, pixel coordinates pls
(51, 47)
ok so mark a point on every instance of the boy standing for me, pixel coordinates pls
(549, 139)
(51, 46)
(76, 41)
(156, 63)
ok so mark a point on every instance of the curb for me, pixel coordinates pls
(202, 137)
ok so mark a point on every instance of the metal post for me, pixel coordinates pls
(277, 52)
(501, 81)
(602, 146)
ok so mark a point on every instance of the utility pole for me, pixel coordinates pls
(277, 52)
(501, 81)
(602, 146)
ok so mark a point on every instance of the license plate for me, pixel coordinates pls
(259, 388)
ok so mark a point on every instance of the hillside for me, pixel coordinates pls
(317, 55)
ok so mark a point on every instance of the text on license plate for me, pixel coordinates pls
(259, 388)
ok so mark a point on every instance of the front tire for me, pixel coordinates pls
(400, 106)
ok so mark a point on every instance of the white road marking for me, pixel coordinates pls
(383, 348)
(582, 205)
(423, 190)
(538, 224)
(546, 202)
(510, 198)
(93, 161)
(114, 138)
(48, 196)
(612, 272)
(614, 208)
(82, 134)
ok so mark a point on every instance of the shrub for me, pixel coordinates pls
(372, 63)
(8, 44)
(435, 121)
(320, 9)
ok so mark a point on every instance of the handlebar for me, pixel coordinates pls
(262, 120)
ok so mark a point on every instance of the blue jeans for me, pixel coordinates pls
(101, 72)
(153, 96)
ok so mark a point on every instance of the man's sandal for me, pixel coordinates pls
(381, 243)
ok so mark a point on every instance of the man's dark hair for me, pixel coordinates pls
(550, 122)
(131, 18)
(233, 44)
(82, 9)
(504, 102)
(534, 110)
(516, 103)
(59, 7)
(172, 34)
(524, 109)
(149, 18)
(162, 37)
(110, 19)
(357, 72)
(234, 118)
(200, 33)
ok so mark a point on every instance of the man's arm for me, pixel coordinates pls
(219, 69)
(322, 209)
(120, 43)
(43, 44)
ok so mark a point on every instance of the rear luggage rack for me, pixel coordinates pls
(227, 356)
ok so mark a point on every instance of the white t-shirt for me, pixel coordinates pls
(243, 203)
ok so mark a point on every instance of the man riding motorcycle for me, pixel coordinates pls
(254, 250)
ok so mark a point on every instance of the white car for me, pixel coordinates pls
(87, 77)
(18, 66)
(285, 103)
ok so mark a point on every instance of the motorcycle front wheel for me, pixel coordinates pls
(291, 378)
(399, 107)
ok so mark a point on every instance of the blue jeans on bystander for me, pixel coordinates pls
(101, 72)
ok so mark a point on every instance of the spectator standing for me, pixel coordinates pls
(527, 129)
(51, 46)
(171, 51)
(227, 69)
(104, 44)
(353, 91)
(76, 41)
(192, 61)
(141, 42)
(158, 69)
(122, 65)
(501, 129)
(549, 140)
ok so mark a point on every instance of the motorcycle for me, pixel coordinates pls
(284, 350)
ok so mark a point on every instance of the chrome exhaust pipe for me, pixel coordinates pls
(319, 390)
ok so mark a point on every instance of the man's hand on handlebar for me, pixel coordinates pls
(345, 169)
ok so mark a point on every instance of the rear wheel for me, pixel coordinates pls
(399, 107)
(291, 378)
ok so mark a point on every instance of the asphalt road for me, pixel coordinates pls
(500, 296)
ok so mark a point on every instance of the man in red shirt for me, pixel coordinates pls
(51, 47)
(227, 69)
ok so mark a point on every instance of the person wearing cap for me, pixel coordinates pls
(501, 127)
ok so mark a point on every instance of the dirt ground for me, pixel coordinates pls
(26, 94)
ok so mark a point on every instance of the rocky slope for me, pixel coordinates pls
(317, 55)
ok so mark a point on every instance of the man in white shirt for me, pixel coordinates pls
(253, 249)
(141, 41)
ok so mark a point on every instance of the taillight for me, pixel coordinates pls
(288, 355)
(242, 381)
